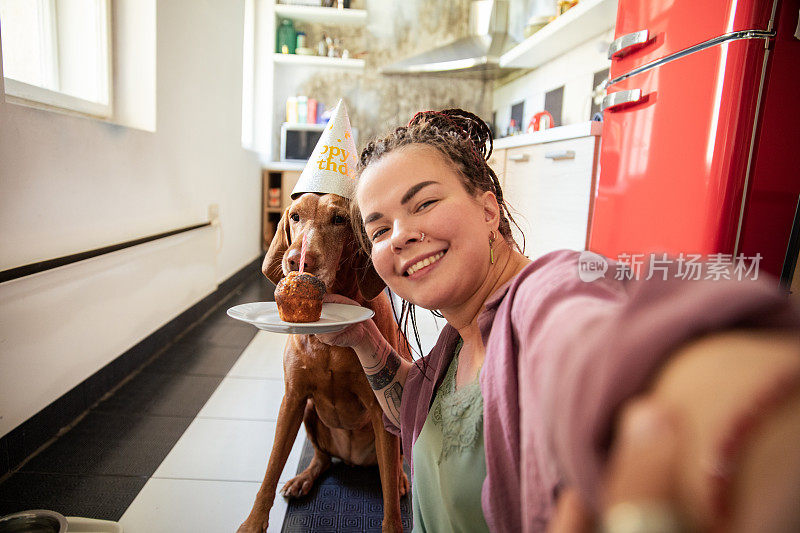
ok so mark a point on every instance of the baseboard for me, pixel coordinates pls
(32, 434)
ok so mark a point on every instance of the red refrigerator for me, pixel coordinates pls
(700, 148)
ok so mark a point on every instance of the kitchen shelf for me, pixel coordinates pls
(322, 15)
(285, 166)
(318, 61)
(584, 21)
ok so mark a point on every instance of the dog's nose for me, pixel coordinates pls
(293, 259)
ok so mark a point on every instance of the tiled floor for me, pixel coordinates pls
(151, 436)
(182, 446)
(208, 480)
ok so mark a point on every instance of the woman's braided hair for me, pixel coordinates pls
(465, 140)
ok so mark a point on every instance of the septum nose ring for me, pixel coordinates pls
(422, 238)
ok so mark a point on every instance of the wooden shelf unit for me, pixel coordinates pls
(275, 176)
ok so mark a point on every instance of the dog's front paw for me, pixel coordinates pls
(392, 526)
(298, 486)
(247, 527)
(404, 484)
(255, 524)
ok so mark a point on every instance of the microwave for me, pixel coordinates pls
(299, 140)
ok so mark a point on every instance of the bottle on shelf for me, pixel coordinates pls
(291, 110)
(274, 197)
(311, 114)
(287, 37)
(302, 109)
(512, 128)
(322, 47)
(331, 48)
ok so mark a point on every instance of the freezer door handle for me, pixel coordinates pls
(622, 45)
(621, 98)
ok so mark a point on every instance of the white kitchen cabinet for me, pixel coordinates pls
(497, 161)
(587, 19)
(549, 189)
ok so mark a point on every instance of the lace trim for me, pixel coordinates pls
(458, 413)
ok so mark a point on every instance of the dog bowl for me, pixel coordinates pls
(35, 521)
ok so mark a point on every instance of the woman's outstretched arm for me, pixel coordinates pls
(385, 369)
(711, 350)
(712, 443)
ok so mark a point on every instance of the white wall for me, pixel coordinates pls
(70, 184)
(574, 70)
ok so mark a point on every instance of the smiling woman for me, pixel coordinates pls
(433, 218)
(520, 397)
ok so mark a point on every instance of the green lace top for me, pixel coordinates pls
(449, 459)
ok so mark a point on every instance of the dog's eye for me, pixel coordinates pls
(295, 217)
(339, 219)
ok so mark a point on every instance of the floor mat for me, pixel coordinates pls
(344, 499)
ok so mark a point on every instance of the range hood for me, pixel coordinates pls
(474, 56)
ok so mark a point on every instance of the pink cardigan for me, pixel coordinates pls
(561, 356)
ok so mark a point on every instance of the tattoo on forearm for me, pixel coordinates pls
(379, 357)
(386, 374)
(393, 395)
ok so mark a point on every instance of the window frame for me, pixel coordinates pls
(27, 94)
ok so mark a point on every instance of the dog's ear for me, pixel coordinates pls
(369, 282)
(272, 265)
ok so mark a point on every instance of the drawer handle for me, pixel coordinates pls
(557, 155)
(622, 45)
(610, 101)
(518, 157)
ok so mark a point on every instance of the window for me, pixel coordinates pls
(57, 53)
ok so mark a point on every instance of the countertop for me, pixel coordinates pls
(561, 133)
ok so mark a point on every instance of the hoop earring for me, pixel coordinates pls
(491, 246)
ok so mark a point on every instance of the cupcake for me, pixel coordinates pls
(299, 297)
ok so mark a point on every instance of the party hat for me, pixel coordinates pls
(332, 165)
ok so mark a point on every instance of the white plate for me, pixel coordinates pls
(77, 524)
(335, 317)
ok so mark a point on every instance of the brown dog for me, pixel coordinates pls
(325, 385)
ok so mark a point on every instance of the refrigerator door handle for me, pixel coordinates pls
(621, 98)
(621, 45)
(797, 30)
